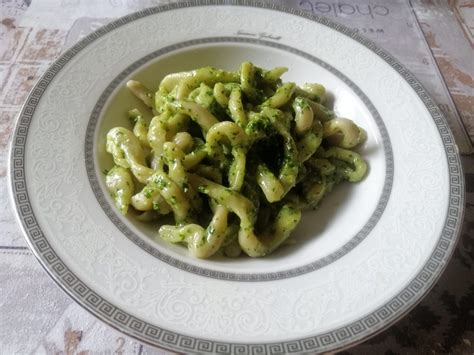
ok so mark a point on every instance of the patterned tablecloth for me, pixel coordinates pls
(433, 38)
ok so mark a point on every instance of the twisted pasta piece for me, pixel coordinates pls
(174, 197)
(202, 116)
(247, 81)
(185, 82)
(271, 186)
(343, 133)
(303, 115)
(286, 220)
(220, 94)
(196, 155)
(149, 198)
(142, 92)
(202, 243)
(355, 169)
(313, 91)
(275, 189)
(314, 189)
(320, 111)
(309, 144)
(128, 152)
(272, 76)
(140, 127)
(174, 157)
(184, 141)
(236, 107)
(281, 96)
(157, 135)
(120, 185)
(230, 132)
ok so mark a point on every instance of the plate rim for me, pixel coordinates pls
(340, 339)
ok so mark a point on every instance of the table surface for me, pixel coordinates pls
(37, 317)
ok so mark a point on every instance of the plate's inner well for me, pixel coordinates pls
(323, 235)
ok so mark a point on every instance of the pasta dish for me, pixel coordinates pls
(232, 157)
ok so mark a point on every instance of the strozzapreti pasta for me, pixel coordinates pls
(234, 157)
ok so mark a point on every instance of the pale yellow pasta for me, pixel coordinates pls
(303, 115)
(184, 141)
(143, 200)
(231, 199)
(236, 137)
(247, 80)
(170, 81)
(187, 81)
(315, 189)
(273, 75)
(358, 167)
(174, 197)
(285, 222)
(198, 113)
(289, 167)
(236, 107)
(203, 95)
(128, 152)
(269, 183)
(220, 94)
(233, 157)
(195, 157)
(174, 157)
(201, 242)
(343, 133)
(310, 142)
(160, 205)
(120, 185)
(141, 92)
(281, 96)
(156, 135)
(150, 199)
(140, 127)
(314, 91)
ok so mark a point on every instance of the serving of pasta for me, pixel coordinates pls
(232, 157)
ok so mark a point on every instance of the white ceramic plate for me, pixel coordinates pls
(363, 260)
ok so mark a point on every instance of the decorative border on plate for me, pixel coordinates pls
(354, 332)
(111, 212)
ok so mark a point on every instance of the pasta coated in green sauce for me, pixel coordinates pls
(234, 157)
